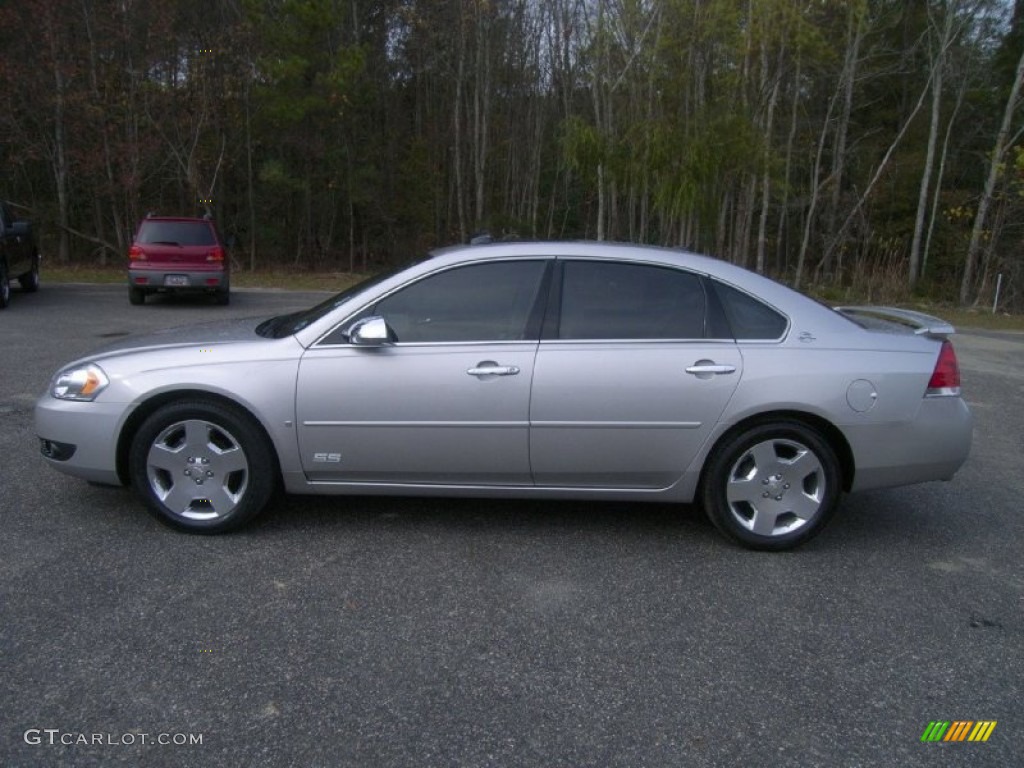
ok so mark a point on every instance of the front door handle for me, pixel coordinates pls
(708, 368)
(490, 368)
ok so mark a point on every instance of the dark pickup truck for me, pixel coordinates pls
(19, 256)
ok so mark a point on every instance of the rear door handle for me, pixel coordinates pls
(488, 368)
(707, 368)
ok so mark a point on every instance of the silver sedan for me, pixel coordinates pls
(545, 370)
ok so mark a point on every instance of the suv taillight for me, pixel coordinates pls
(945, 378)
(215, 254)
(135, 253)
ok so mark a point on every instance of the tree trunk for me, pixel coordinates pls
(914, 265)
(938, 68)
(816, 185)
(781, 255)
(855, 34)
(941, 174)
(766, 175)
(481, 110)
(460, 206)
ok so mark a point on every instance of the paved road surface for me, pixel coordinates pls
(410, 632)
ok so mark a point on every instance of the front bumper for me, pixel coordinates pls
(81, 437)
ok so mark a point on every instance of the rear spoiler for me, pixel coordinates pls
(919, 322)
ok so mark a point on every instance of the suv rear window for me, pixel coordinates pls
(176, 233)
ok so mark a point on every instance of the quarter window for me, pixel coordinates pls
(479, 302)
(607, 300)
(749, 318)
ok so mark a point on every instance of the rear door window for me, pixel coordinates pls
(611, 300)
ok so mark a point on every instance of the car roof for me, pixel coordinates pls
(591, 249)
(200, 219)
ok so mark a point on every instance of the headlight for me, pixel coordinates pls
(82, 383)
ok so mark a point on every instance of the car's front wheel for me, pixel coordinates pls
(772, 486)
(202, 467)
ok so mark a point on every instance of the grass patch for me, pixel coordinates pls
(268, 279)
(974, 318)
(296, 281)
(959, 317)
(103, 275)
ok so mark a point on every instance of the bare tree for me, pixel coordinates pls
(941, 42)
(998, 157)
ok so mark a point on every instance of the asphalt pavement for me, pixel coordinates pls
(434, 632)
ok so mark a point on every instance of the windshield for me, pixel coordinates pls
(285, 325)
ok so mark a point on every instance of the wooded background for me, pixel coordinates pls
(869, 146)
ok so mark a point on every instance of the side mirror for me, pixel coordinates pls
(371, 332)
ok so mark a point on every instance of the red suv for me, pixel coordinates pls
(175, 254)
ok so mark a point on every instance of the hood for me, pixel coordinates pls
(215, 332)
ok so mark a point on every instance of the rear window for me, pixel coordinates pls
(176, 233)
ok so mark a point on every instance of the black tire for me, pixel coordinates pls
(136, 296)
(222, 298)
(202, 467)
(772, 486)
(30, 280)
(5, 284)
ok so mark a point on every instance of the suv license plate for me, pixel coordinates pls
(176, 281)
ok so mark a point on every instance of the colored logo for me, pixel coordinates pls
(958, 730)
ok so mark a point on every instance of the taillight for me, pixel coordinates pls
(215, 254)
(135, 253)
(945, 378)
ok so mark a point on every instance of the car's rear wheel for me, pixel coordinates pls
(5, 284)
(202, 467)
(136, 296)
(223, 298)
(772, 486)
(29, 281)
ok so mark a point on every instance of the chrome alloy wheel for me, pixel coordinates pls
(776, 487)
(197, 469)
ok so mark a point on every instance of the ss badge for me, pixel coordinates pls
(327, 458)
